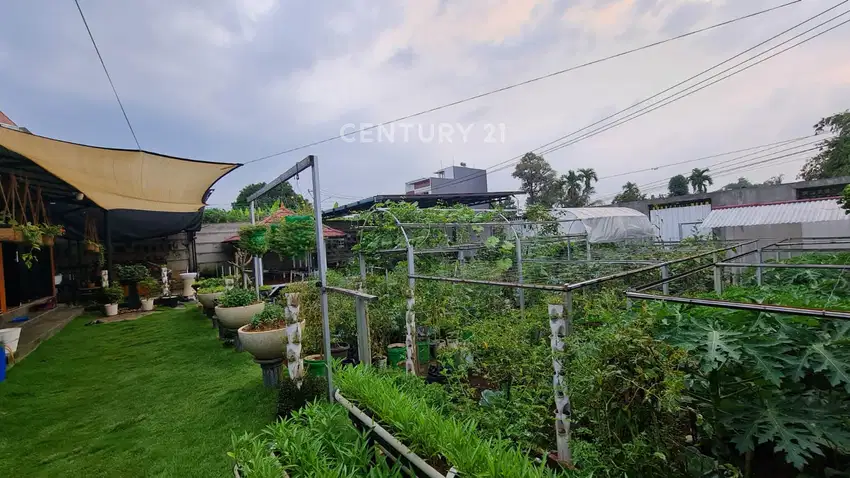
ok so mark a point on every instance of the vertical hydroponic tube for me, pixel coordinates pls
(559, 329)
(294, 332)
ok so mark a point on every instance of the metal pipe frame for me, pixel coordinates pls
(399, 447)
(352, 293)
(779, 309)
(311, 162)
(774, 265)
(516, 285)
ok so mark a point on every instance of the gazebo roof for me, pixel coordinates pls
(282, 213)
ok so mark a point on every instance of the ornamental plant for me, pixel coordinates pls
(52, 230)
(132, 272)
(271, 318)
(32, 236)
(237, 298)
(113, 294)
(293, 237)
(253, 239)
(211, 289)
(149, 287)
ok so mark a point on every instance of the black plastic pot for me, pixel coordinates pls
(172, 301)
(133, 299)
(340, 350)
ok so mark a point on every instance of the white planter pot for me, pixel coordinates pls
(263, 345)
(235, 317)
(110, 309)
(147, 305)
(188, 279)
(208, 300)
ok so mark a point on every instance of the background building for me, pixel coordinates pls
(451, 180)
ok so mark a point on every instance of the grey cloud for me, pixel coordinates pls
(404, 58)
(685, 17)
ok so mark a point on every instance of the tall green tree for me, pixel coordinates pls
(833, 160)
(741, 183)
(283, 192)
(572, 190)
(700, 180)
(538, 180)
(774, 180)
(631, 192)
(678, 185)
(588, 177)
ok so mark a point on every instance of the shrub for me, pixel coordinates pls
(237, 298)
(291, 398)
(112, 294)
(132, 272)
(254, 239)
(149, 287)
(272, 317)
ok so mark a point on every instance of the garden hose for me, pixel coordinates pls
(11, 352)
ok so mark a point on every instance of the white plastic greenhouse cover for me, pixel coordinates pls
(606, 224)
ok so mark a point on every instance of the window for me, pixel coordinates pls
(820, 192)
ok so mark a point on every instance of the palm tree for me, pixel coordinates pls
(700, 180)
(572, 189)
(588, 177)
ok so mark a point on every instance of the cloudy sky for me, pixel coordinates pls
(234, 80)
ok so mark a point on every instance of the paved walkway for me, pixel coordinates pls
(41, 327)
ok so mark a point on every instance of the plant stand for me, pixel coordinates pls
(210, 313)
(231, 338)
(271, 371)
(217, 325)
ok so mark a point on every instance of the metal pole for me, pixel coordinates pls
(665, 273)
(718, 279)
(107, 231)
(758, 268)
(364, 344)
(323, 272)
(362, 268)
(518, 245)
(587, 241)
(254, 261)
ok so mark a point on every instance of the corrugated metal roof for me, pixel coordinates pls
(596, 212)
(793, 212)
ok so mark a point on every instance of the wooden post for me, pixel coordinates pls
(53, 268)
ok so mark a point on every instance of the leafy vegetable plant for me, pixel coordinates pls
(237, 297)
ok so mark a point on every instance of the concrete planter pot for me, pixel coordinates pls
(110, 310)
(235, 317)
(208, 300)
(147, 305)
(265, 344)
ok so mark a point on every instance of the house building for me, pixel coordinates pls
(451, 180)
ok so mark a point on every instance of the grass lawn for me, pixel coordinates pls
(157, 396)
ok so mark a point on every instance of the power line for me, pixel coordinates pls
(662, 103)
(725, 171)
(510, 162)
(667, 165)
(97, 50)
(526, 82)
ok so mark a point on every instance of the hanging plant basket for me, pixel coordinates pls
(93, 247)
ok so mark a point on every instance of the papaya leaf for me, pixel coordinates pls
(832, 362)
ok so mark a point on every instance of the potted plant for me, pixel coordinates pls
(252, 239)
(339, 350)
(236, 307)
(148, 289)
(111, 296)
(50, 232)
(30, 234)
(131, 275)
(209, 294)
(264, 336)
(93, 246)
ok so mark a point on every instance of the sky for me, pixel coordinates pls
(235, 80)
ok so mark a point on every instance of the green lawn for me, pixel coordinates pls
(157, 396)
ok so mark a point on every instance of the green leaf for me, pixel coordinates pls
(767, 359)
(824, 360)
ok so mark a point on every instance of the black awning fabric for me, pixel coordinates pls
(127, 225)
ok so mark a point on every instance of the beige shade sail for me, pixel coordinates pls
(118, 178)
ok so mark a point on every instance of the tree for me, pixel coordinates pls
(678, 185)
(774, 180)
(538, 180)
(631, 192)
(572, 187)
(833, 160)
(741, 183)
(282, 192)
(587, 176)
(700, 180)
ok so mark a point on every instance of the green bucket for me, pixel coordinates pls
(315, 366)
(423, 351)
(396, 353)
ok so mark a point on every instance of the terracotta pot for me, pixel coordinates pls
(92, 247)
(235, 317)
(48, 241)
(9, 234)
(147, 305)
(208, 300)
(265, 344)
(110, 310)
